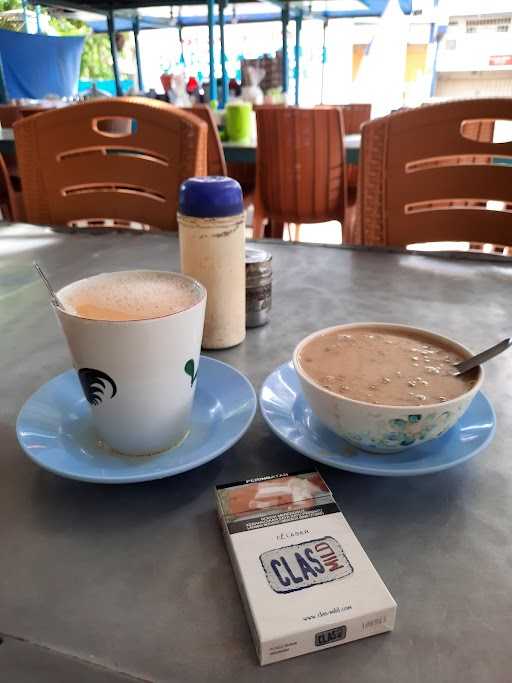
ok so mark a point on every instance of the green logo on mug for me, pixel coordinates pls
(189, 369)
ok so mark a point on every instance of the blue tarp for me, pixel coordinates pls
(36, 65)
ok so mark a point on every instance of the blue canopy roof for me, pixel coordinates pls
(374, 8)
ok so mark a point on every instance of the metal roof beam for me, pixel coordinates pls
(105, 6)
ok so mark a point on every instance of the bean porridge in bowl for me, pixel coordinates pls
(385, 387)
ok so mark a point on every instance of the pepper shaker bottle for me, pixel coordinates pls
(258, 287)
(211, 223)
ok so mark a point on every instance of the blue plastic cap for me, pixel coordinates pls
(211, 197)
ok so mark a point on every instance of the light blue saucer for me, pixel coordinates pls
(55, 429)
(290, 417)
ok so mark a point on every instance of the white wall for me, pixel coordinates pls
(462, 51)
(479, 84)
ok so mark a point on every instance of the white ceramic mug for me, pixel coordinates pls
(139, 376)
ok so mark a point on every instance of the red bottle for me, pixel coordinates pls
(192, 86)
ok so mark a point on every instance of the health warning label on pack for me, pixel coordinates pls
(300, 566)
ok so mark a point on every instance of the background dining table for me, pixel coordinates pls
(105, 584)
(240, 152)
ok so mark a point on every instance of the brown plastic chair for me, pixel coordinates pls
(76, 171)
(215, 154)
(300, 167)
(11, 202)
(354, 115)
(245, 172)
(9, 113)
(24, 112)
(421, 180)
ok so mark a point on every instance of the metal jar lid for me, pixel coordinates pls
(258, 267)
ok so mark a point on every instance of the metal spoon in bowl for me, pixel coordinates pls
(53, 297)
(482, 357)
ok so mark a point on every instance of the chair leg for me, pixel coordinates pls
(5, 214)
(349, 227)
(258, 226)
(258, 219)
(18, 207)
(276, 229)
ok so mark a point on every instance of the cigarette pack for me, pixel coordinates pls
(306, 583)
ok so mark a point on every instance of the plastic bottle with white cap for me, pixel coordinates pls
(211, 223)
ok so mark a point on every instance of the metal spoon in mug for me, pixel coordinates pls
(482, 357)
(53, 297)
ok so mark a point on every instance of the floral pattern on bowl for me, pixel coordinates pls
(384, 429)
(402, 432)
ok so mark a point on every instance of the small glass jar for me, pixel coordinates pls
(258, 287)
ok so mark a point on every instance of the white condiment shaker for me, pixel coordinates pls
(211, 223)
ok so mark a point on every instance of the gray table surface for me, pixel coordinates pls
(106, 584)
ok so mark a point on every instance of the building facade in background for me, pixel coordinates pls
(452, 49)
(475, 54)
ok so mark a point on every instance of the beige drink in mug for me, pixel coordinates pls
(135, 339)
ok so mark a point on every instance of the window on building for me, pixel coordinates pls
(491, 23)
